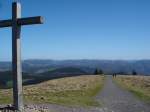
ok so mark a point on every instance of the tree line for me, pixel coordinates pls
(100, 71)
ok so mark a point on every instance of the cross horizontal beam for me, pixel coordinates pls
(22, 21)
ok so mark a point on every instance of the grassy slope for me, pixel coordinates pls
(28, 79)
(78, 90)
(139, 85)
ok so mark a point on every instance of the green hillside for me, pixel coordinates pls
(6, 77)
(63, 71)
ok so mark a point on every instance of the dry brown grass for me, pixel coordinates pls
(65, 84)
(139, 85)
(78, 90)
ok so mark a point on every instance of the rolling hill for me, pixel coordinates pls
(6, 76)
(108, 66)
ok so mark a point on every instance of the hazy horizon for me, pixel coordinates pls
(80, 59)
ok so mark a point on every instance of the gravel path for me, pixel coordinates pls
(59, 108)
(116, 99)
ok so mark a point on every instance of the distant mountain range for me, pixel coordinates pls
(142, 67)
(36, 71)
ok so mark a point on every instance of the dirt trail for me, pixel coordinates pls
(117, 99)
(112, 99)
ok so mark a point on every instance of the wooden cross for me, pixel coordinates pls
(16, 22)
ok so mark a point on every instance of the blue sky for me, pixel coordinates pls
(81, 29)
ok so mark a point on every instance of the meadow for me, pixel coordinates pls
(77, 91)
(138, 85)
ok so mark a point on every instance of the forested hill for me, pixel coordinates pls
(6, 77)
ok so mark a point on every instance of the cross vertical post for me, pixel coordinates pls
(16, 58)
(16, 22)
